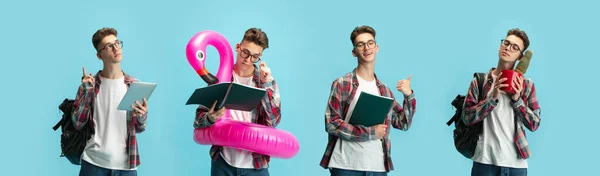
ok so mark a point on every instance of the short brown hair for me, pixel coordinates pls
(256, 36)
(100, 34)
(360, 30)
(522, 35)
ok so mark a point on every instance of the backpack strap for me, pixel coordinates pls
(61, 122)
(480, 79)
(65, 107)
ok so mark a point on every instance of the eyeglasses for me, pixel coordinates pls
(511, 46)
(361, 45)
(112, 46)
(246, 53)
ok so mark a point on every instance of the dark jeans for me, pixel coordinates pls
(88, 169)
(491, 170)
(221, 168)
(344, 172)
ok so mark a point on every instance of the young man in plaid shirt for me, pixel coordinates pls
(227, 161)
(357, 149)
(502, 148)
(113, 148)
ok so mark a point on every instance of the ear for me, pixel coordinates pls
(237, 47)
(376, 48)
(353, 52)
(98, 55)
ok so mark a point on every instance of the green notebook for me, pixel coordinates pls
(371, 110)
(229, 95)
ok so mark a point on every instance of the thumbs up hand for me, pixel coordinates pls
(404, 86)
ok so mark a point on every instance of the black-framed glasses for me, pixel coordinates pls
(511, 46)
(361, 45)
(112, 46)
(246, 53)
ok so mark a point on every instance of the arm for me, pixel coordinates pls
(269, 111)
(475, 110)
(529, 110)
(402, 117)
(83, 106)
(336, 126)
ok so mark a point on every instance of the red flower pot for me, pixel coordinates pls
(510, 75)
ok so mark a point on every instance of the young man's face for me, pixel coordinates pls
(109, 49)
(510, 49)
(365, 47)
(248, 53)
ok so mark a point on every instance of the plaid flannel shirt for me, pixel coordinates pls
(343, 91)
(268, 113)
(84, 111)
(527, 111)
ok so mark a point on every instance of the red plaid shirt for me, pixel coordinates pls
(527, 110)
(84, 111)
(343, 91)
(268, 114)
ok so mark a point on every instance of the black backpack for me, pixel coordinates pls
(72, 142)
(465, 137)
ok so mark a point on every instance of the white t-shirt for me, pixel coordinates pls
(360, 156)
(237, 157)
(496, 145)
(108, 146)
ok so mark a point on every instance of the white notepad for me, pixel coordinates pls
(136, 92)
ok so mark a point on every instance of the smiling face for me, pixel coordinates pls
(365, 47)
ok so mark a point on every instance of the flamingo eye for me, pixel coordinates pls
(200, 55)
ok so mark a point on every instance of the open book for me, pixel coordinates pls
(371, 109)
(229, 95)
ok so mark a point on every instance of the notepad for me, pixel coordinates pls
(229, 95)
(371, 109)
(136, 92)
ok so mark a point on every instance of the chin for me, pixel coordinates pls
(116, 61)
(369, 59)
(506, 59)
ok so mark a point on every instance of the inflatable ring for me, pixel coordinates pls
(226, 131)
(249, 136)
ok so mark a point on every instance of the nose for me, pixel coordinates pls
(116, 49)
(248, 59)
(504, 48)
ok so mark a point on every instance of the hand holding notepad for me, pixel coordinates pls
(136, 97)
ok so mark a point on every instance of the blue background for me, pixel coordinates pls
(45, 43)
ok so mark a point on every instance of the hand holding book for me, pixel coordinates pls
(380, 130)
(214, 114)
